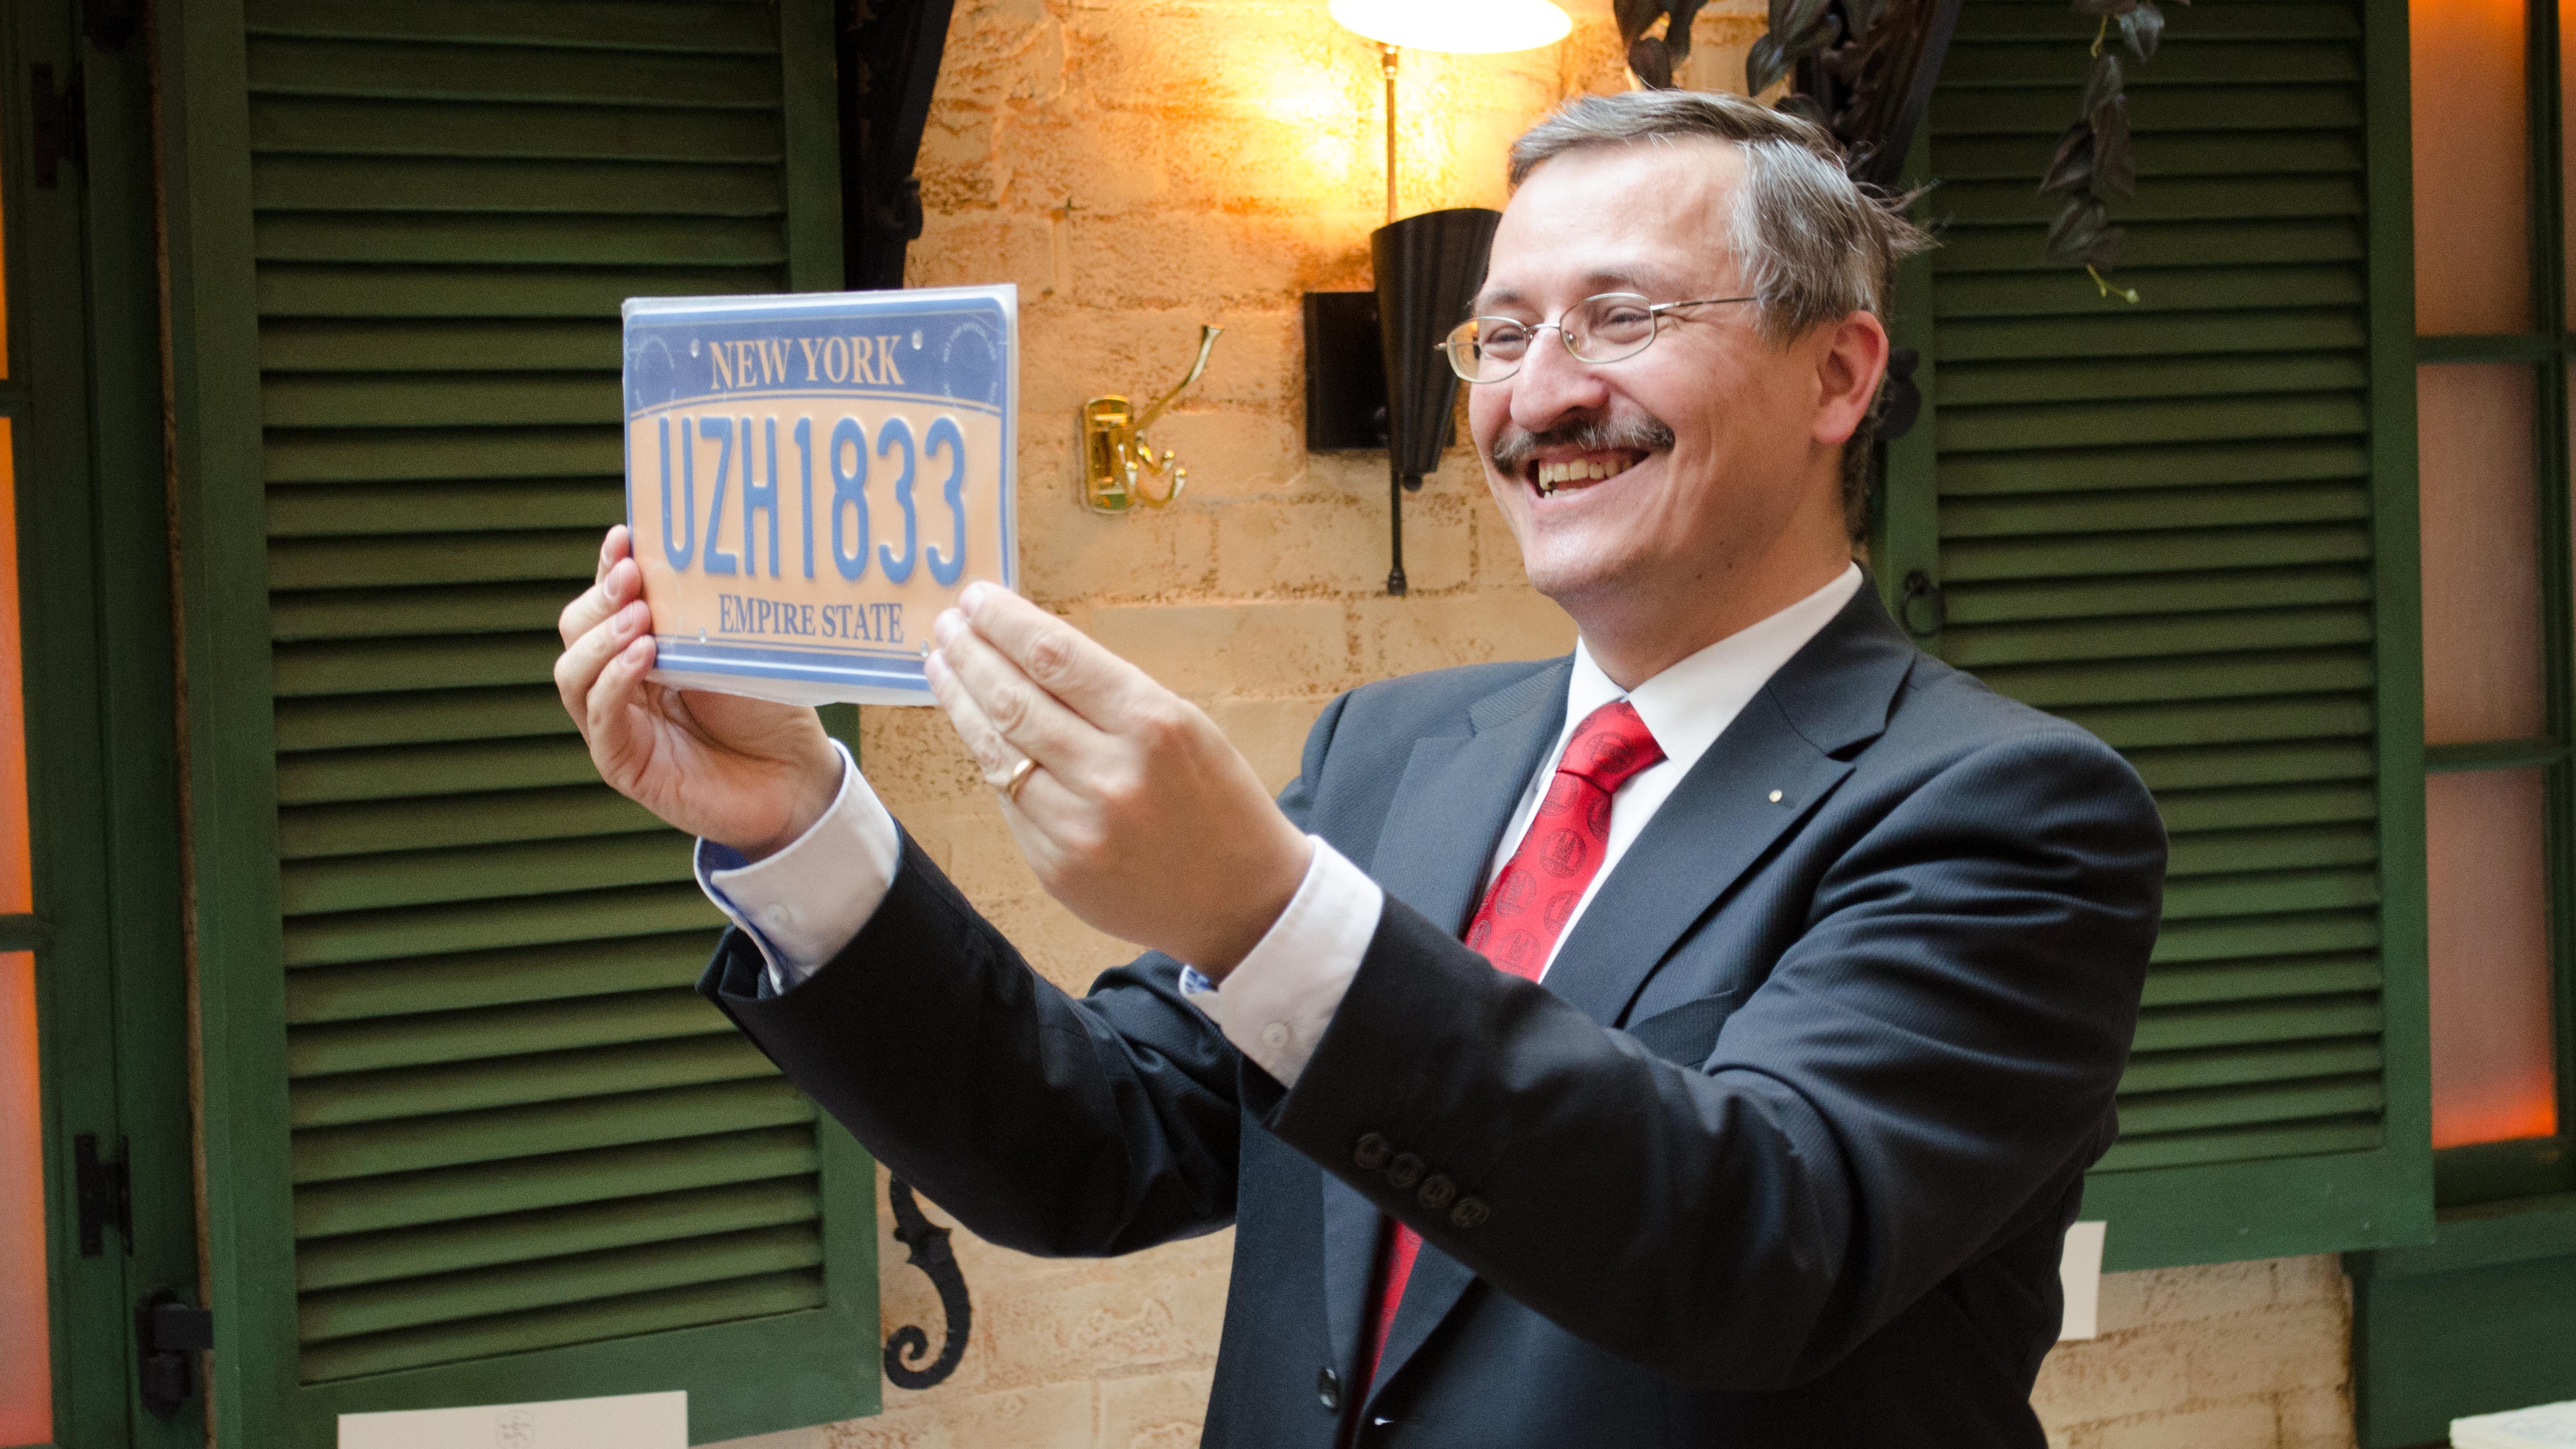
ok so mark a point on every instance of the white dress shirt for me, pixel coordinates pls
(807, 902)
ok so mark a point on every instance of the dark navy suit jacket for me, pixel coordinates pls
(1781, 1154)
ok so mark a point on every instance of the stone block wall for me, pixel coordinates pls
(1140, 167)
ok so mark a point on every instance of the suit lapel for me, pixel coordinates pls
(1458, 793)
(1783, 754)
(1448, 811)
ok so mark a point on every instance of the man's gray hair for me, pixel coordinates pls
(1814, 246)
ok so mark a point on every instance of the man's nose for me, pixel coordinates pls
(1553, 386)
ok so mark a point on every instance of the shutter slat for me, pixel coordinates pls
(2042, 110)
(445, 1036)
(2008, 247)
(608, 190)
(1969, 604)
(460, 820)
(2286, 672)
(321, 125)
(438, 344)
(2149, 335)
(2196, 813)
(298, 669)
(2199, 60)
(2196, 198)
(2198, 899)
(2199, 941)
(397, 613)
(2240, 1106)
(397, 1094)
(559, 240)
(2063, 380)
(460, 981)
(483, 873)
(481, 1293)
(2243, 1144)
(2191, 634)
(2287, 153)
(422, 455)
(347, 722)
(409, 1200)
(571, 1323)
(361, 1258)
(507, 1133)
(2176, 775)
(2142, 727)
(310, 511)
(297, 400)
(2160, 289)
(2185, 1071)
(432, 770)
(701, 28)
(2184, 420)
(2052, 470)
(2257, 980)
(2087, 556)
(2051, 22)
(2241, 852)
(306, 290)
(439, 71)
(570, 554)
(530, 920)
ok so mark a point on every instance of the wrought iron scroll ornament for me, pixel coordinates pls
(888, 54)
(929, 1251)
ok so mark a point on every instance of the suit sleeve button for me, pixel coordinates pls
(1437, 1191)
(1372, 1152)
(1328, 1389)
(1470, 1212)
(1405, 1171)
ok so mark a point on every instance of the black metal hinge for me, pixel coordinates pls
(167, 1329)
(61, 128)
(106, 1195)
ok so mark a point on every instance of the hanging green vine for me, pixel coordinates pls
(2092, 166)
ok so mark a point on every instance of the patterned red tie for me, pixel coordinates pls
(1535, 894)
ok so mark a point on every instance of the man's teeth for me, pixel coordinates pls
(1552, 476)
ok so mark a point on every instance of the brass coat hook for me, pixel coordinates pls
(1117, 460)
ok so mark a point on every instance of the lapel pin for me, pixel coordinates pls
(1775, 797)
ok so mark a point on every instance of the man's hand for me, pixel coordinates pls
(742, 772)
(1139, 815)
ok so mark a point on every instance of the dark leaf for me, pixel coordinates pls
(2103, 254)
(1677, 33)
(1652, 63)
(2078, 227)
(2142, 28)
(2105, 7)
(1804, 108)
(1862, 14)
(1764, 64)
(1801, 23)
(1635, 17)
(2070, 170)
(2100, 84)
(2115, 174)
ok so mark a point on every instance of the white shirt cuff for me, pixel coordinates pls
(806, 902)
(1275, 1006)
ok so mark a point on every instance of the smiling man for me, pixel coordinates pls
(1699, 1040)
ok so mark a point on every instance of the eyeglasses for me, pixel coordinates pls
(1611, 327)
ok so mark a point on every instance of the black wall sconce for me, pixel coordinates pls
(1374, 374)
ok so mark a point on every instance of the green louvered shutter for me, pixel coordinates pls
(485, 1143)
(2159, 520)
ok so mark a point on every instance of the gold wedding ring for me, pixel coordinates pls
(1019, 776)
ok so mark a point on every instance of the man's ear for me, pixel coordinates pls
(1849, 364)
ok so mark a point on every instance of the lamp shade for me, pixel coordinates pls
(1462, 27)
(1428, 269)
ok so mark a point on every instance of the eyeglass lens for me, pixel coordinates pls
(1606, 328)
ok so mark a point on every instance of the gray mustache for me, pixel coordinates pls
(1514, 448)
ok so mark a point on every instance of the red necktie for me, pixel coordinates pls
(1535, 894)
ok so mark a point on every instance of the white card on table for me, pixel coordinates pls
(620, 1421)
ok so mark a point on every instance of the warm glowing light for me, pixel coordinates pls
(1462, 27)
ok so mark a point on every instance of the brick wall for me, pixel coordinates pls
(1220, 157)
